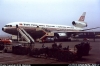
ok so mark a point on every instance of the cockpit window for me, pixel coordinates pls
(8, 25)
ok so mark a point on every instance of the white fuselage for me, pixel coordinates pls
(11, 27)
(30, 27)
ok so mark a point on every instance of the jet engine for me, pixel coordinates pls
(60, 35)
(80, 24)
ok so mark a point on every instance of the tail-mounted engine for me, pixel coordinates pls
(79, 24)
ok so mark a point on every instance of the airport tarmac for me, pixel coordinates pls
(9, 58)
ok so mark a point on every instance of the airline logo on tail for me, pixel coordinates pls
(82, 17)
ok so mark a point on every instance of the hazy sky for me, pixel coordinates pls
(49, 11)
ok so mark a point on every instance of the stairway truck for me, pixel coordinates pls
(48, 37)
(56, 37)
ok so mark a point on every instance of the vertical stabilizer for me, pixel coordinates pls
(82, 17)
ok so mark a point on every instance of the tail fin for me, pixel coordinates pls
(82, 17)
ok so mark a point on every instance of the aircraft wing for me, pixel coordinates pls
(63, 31)
(71, 31)
(90, 29)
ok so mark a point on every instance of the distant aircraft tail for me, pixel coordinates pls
(82, 18)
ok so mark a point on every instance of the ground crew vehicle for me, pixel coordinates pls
(7, 47)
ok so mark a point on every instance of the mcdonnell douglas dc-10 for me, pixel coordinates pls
(30, 27)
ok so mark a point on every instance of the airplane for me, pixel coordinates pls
(30, 27)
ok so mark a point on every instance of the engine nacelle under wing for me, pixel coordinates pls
(60, 35)
(79, 24)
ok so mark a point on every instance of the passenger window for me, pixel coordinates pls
(10, 25)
